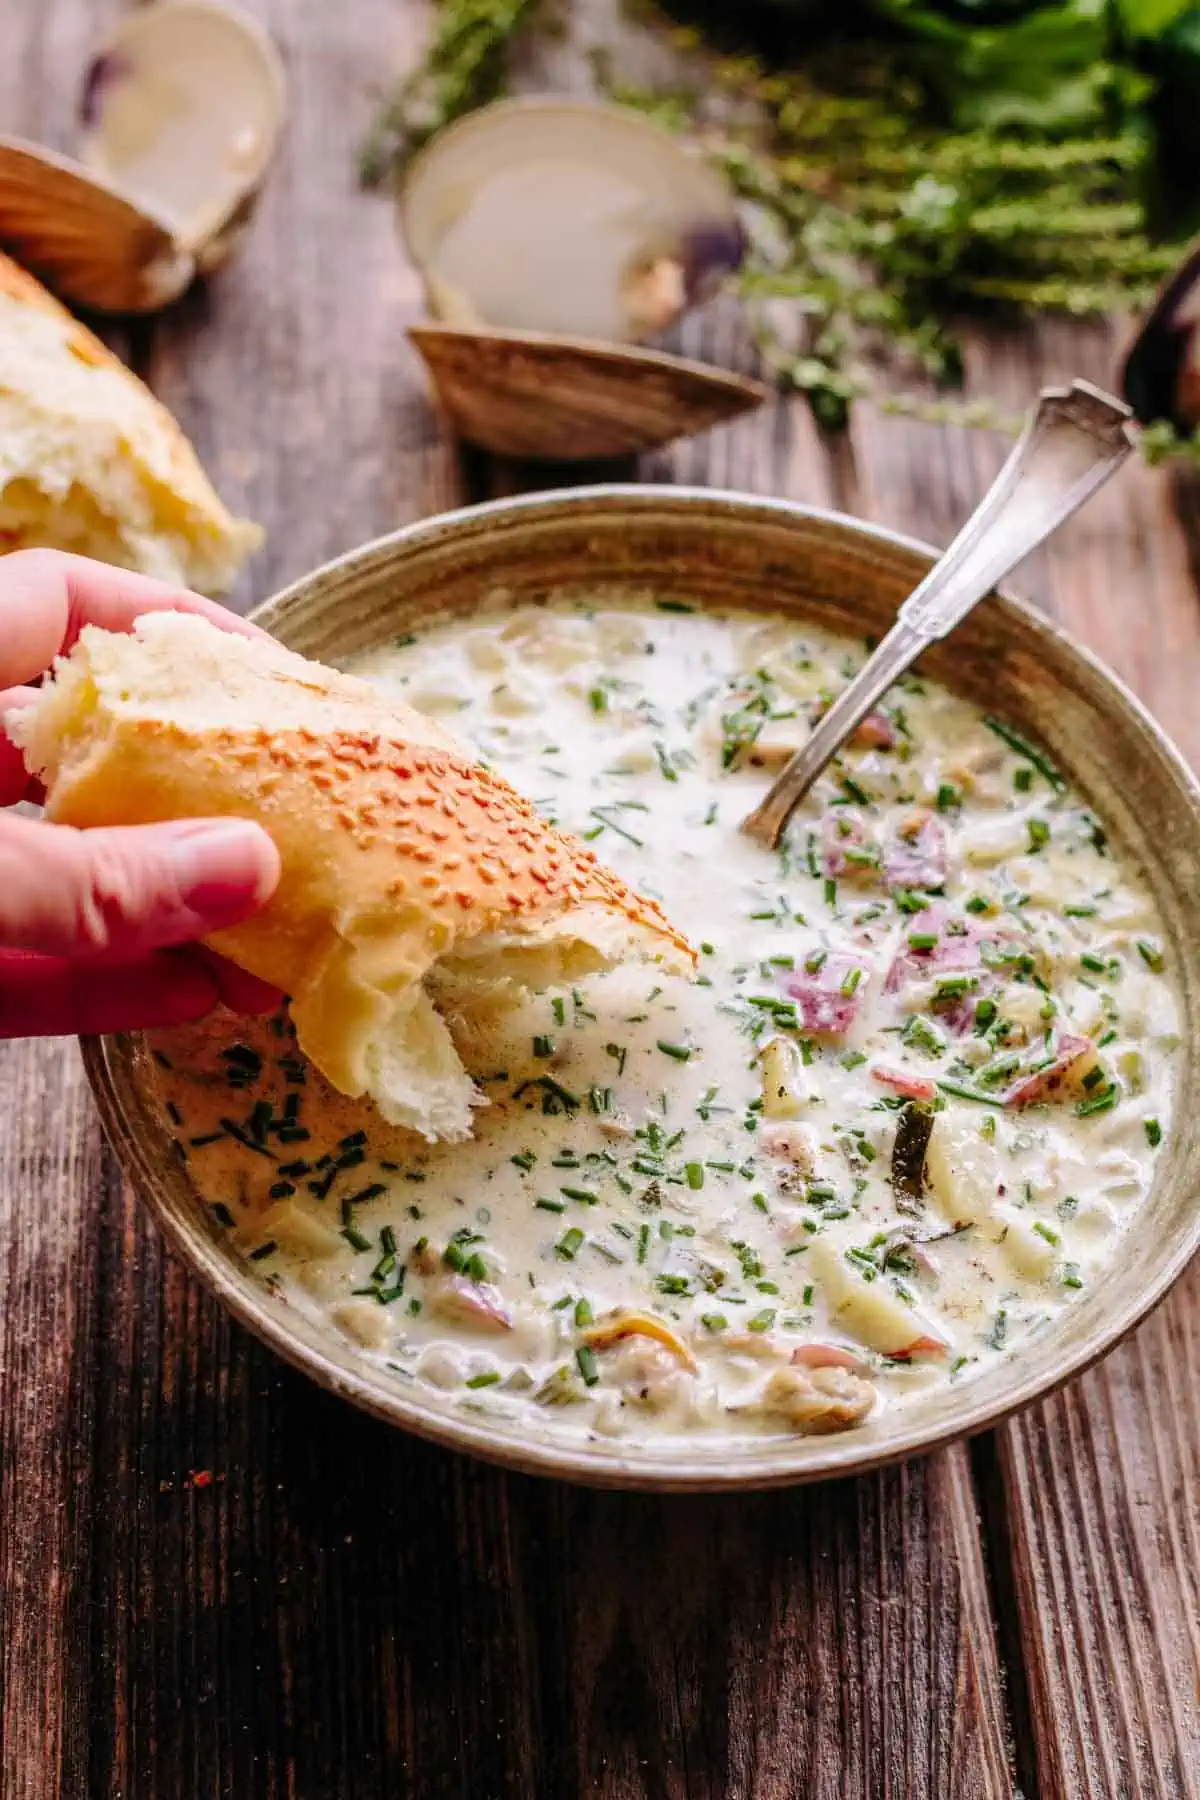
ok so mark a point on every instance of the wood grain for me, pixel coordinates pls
(216, 1581)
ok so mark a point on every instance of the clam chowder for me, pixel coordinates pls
(899, 1120)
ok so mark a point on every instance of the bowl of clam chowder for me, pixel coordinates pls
(916, 1142)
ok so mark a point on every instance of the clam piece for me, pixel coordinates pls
(181, 112)
(557, 399)
(182, 109)
(548, 215)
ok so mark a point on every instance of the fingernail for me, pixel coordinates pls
(221, 863)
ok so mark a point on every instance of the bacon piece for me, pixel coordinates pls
(918, 855)
(829, 1356)
(848, 851)
(1073, 1057)
(828, 999)
(913, 1087)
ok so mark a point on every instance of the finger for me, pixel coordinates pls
(15, 780)
(53, 996)
(120, 891)
(240, 991)
(47, 597)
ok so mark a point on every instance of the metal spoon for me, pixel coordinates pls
(1074, 439)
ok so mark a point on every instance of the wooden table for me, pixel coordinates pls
(341, 1614)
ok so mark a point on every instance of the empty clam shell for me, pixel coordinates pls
(182, 110)
(549, 398)
(566, 216)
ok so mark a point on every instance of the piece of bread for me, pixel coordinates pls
(91, 462)
(410, 873)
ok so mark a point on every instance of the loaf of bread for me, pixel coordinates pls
(91, 462)
(411, 875)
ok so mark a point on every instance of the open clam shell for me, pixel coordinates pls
(566, 216)
(182, 109)
(548, 398)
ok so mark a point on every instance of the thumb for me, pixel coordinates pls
(120, 891)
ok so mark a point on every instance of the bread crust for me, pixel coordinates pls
(397, 848)
(70, 408)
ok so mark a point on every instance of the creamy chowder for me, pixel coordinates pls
(901, 1118)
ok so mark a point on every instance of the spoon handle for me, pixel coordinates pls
(1074, 439)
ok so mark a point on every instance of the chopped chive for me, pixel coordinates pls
(1096, 964)
(543, 1046)
(582, 1194)
(489, 1378)
(525, 1160)
(585, 1359)
(355, 1238)
(1150, 954)
(680, 1052)
(1070, 1276)
(762, 1321)
(222, 1214)
(830, 892)
(948, 797)
(643, 1243)
(922, 940)
(570, 1243)
(1023, 747)
(851, 980)
(962, 1091)
(267, 1249)
(583, 1313)
(1039, 834)
(1046, 1231)
(1098, 1103)
(714, 1321)
(1153, 1133)
(695, 1174)
(555, 1206)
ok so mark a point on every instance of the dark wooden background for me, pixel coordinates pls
(344, 1615)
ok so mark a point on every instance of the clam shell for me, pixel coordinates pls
(89, 242)
(211, 100)
(546, 398)
(570, 201)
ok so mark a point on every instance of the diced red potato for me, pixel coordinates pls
(958, 950)
(829, 1356)
(469, 1303)
(828, 999)
(913, 1087)
(1074, 1057)
(848, 851)
(918, 855)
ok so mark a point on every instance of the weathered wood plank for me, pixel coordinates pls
(1099, 1496)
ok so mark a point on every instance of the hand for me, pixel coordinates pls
(97, 927)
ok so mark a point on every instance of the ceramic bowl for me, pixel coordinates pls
(719, 549)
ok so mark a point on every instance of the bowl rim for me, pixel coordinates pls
(592, 1462)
